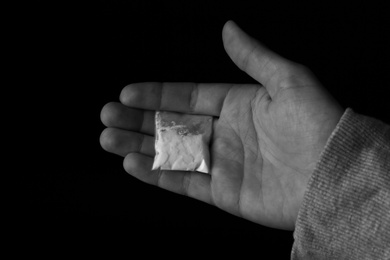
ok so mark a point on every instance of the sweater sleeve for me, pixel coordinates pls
(345, 213)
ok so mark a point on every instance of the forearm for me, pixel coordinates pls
(346, 209)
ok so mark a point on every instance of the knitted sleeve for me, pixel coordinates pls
(345, 213)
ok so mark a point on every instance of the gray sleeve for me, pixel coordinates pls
(345, 213)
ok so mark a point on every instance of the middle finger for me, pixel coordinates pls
(117, 115)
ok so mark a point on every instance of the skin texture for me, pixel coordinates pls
(267, 137)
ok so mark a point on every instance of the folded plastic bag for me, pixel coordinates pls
(182, 142)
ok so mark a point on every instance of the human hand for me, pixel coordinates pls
(267, 137)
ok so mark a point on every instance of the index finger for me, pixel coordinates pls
(183, 97)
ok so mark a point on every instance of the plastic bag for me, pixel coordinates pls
(182, 142)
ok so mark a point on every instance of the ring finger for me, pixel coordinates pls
(122, 142)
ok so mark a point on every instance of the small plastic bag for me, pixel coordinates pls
(182, 142)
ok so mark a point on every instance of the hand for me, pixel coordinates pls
(267, 137)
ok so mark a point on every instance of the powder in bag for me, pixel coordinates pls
(182, 142)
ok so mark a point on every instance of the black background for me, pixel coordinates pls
(79, 55)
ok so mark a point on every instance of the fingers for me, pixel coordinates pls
(258, 61)
(192, 184)
(118, 115)
(123, 142)
(190, 98)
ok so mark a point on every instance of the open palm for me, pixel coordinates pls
(267, 137)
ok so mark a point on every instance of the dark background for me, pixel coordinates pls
(79, 55)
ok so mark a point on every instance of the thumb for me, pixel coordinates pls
(255, 59)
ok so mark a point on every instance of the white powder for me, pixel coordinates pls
(181, 146)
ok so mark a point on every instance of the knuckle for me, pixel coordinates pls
(304, 69)
(298, 68)
(295, 75)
